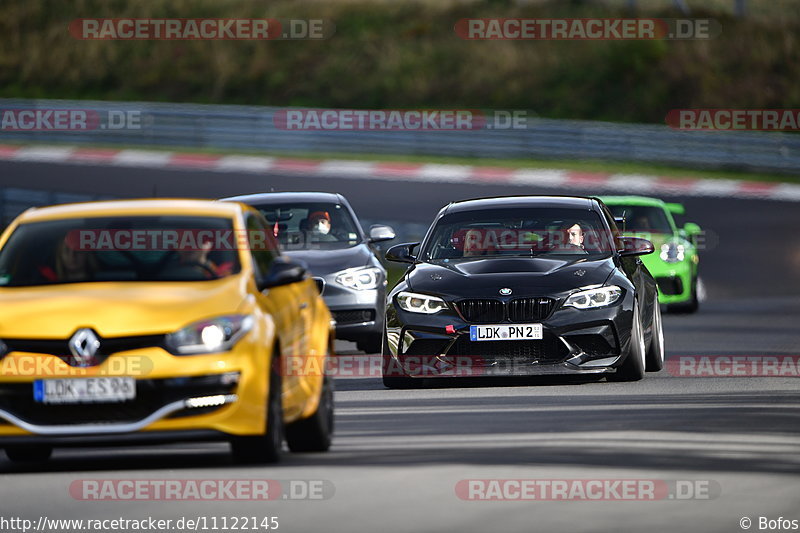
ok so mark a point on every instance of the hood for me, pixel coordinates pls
(324, 262)
(115, 309)
(483, 278)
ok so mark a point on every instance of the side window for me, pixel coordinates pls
(263, 247)
(616, 234)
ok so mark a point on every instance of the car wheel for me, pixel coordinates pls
(266, 448)
(314, 434)
(655, 354)
(371, 344)
(29, 454)
(632, 369)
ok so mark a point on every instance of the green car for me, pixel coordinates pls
(674, 265)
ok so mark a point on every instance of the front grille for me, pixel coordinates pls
(354, 316)
(517, 310)
(151, 394)
(475, 310)
(108, 346)
(525, 309)
(669, 286)
(547, 350)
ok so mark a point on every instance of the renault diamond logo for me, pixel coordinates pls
(84, 345)
(505, 291)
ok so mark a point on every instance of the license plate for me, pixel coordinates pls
(84, 390)
(506, 332)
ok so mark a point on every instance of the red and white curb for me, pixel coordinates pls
(396, 171)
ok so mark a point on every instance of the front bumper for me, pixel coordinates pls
(223, 394)
(358, 314)
(674, 281)
(574, 342)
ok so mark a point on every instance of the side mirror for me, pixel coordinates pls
(691, 229)
(379, 233)
(401, 253)
(633, 246)
(283, 272)
(692, 232)
(676, 209)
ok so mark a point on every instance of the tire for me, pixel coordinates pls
(402, 383)
(315, 433)
(371, 344)
(29, 454)
(632, 369)
(655, 352)
(266, 448)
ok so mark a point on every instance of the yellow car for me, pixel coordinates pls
(150, 321)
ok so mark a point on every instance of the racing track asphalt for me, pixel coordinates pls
(398, 455)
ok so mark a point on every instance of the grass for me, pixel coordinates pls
(406, 54)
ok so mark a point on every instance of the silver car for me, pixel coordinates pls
(322, 230)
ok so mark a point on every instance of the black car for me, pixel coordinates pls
(322, 230)
(523, 285)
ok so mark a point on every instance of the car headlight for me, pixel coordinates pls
(420, 303)
(591, 298)
(218, 334)
(672, 252)
(360, 279)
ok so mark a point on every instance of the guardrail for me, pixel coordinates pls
(246, 128)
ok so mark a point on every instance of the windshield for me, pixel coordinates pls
(311, 225)
(642, 219)
(130, 248)
(518, 232)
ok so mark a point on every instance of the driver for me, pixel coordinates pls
(575, 235)
(319, 223)
(198, 260)
(71, 264)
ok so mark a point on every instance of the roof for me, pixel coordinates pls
(273, 198)
(132, 207)
(632, 200)
(509, 202)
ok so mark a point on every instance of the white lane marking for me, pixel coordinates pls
(240, 163)
(347, 169)
(632, 182)
(142, 158)
(714, 443)
(542, 177)
(715, 188)
(436, 172)
(786, 191)
(362, 411)
(44, 153)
